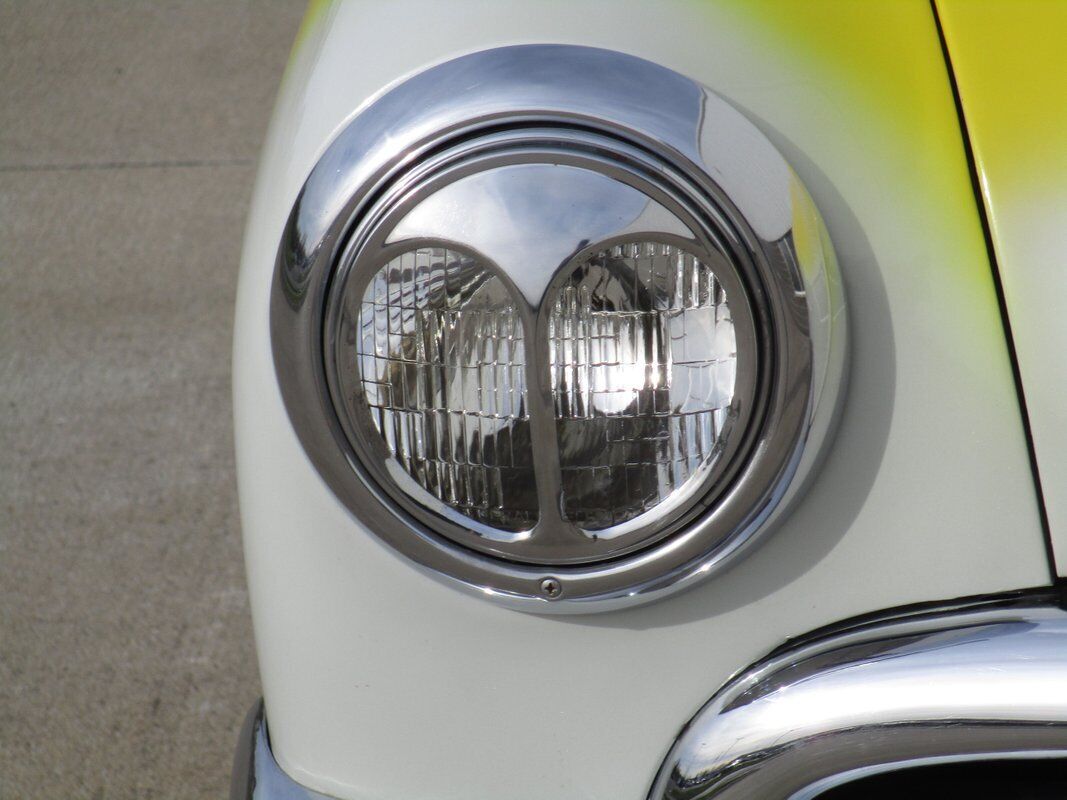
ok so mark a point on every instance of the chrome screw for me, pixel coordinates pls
(551, 588)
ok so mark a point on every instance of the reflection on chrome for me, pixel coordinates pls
(440, 349)
(643, 359)
(939, 686)
(256, 775)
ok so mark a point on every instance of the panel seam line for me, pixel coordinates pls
(987, 232)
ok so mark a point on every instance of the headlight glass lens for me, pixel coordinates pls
(643, 363)
(442, 372)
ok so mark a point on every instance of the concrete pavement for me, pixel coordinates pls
(128, 138)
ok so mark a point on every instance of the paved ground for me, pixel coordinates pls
(128, 138)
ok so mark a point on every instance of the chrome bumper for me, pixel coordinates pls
(256, 775)
(964, 684)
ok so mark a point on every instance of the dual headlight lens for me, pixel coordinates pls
(641, 367)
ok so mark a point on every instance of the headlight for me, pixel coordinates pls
(572, 331)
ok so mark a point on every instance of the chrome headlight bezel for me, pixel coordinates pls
(644, 127)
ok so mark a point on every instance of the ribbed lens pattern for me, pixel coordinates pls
(643, 362)
(441, 360)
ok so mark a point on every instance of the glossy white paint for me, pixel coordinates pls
(381, 683)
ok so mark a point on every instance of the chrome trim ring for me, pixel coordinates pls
(936, 687)
(642, 126)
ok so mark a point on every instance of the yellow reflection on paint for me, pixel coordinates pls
(316, 10)
(873, 74)
(1010, 62)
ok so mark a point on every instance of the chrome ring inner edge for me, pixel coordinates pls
(483, 154)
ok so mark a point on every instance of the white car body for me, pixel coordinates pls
(382, 683)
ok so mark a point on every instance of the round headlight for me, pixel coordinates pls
(573, 329)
